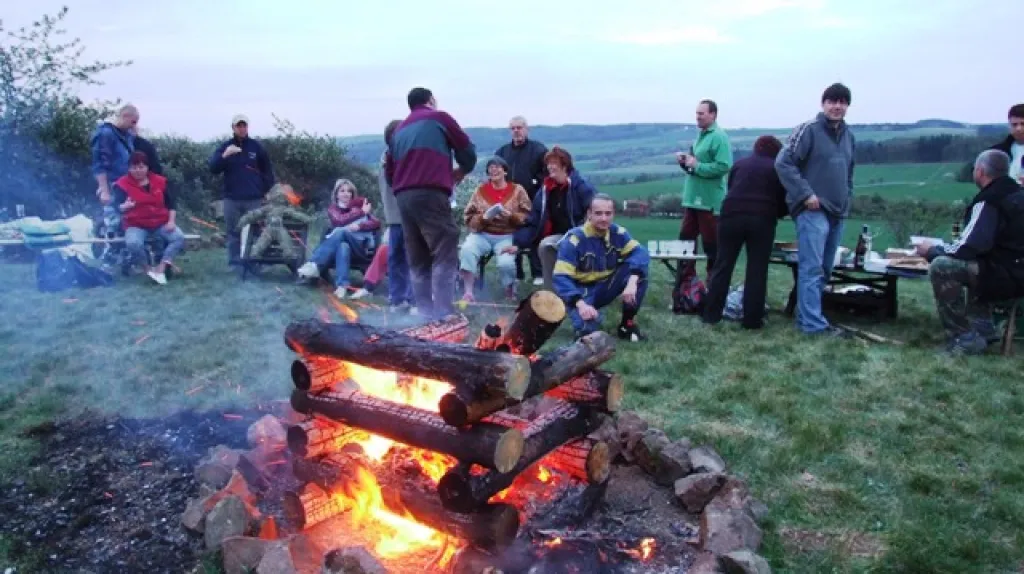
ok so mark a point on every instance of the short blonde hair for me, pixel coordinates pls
(342, 182)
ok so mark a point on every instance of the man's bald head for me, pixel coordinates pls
(127, 117)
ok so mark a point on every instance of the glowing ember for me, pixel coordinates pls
(644, 551)
(289, 193)
(344, 310)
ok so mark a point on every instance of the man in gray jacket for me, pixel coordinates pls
(816, 167)
(399, 286)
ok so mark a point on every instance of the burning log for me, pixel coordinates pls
(319, 436)
(488, 338)
(536, 319)
(471, 370)
(487, 444)
(598, 389)
(492, 526)
(451, 329)
(316, 374)
(462, 491)
(585, 459)
(326, 471)
(310, 506)
(459, 408)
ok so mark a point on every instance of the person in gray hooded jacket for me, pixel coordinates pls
(816, 168)
(399, 285)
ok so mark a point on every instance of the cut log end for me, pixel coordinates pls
(599, 463)
(616, 390)
(548, 306)
(459, 413)
(518, 379)
(301, 376)
(504, 524)
(509, 450)
(298, 440)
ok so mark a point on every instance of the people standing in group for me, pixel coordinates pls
(248, 176)
(497, 208)
(816, 167)
(753, 204)
(525, 159)
(706, 166)
(560, 205)
(400, 295)
(1013, 144)
(419, 169)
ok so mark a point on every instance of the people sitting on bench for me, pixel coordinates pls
(598, 262)
(493, 213)
(987, 260)
(147, 208)
(351, 237)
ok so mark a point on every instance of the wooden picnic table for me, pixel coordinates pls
(672, 251)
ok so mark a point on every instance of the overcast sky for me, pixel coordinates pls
(344, 67)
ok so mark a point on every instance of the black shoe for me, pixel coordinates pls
(628, 331)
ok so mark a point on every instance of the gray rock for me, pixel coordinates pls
(229, 517)
(744, 562)
(665, 461)
(267, 433)
(352, 560)
(295, 555)
(243, 554)
(724, 529)
(215, 469)
(631, 429)
(277, 560)
(647, 450)
(705, 459)
(194, 517)
(705, 563)
(696, 490)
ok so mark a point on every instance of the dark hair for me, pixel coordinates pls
(138, 158)
(1016, 111)
(768, 146)
(418, 97)
(390, 130)
(601, 197)
(712, 106)
(837, 93)
(559, 156)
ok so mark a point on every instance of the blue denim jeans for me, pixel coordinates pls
(478, 245)
(341, 246)
(399, 285)
(818, 235)
(603, 293)
(135, 242)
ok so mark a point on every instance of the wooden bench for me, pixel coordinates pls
(1012, 309)
(672, 251)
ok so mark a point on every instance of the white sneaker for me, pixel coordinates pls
(360, 293)
(538, 282)
(414, 311)
(340, 292)
(309, 270)
(160, 278)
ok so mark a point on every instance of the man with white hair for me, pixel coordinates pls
(112, 144)
(987, 261)
(525, 159)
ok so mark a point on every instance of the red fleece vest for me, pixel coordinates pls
(149, 211)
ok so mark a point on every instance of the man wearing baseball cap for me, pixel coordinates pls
(248, 176)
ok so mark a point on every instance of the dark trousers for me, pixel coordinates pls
(757, 233)
(703, 224)
(432, 248)
(234, 209)
(601, 294)
(399, 287)
(533, 258)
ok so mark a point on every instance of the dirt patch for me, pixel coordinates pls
(851, 543)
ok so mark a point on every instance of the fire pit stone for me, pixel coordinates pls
(242, 554)
(666, 461)
(705, 459)
(743, 562)
(267, 433)
(229, 517)
(696, 490)
(215, 469)
(351, 560)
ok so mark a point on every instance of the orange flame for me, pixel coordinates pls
(289, 193)
(644, 551)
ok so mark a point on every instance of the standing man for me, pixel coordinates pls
(419, 169)
(112, 145)
(399, 286)
(525, 158)
(248, 176)
(816, 168)
(1013, 145)
(707, 164)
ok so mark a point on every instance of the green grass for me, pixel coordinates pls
(871, 458)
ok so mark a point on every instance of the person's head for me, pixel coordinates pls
(389, 131)
(519, 129)
(559, 164)
(991, 164)
(344, 192)
(138, 166)
(835, 100)
(1016, 119)
(497, 170)
(768, 146)
(240, 126)
(421, 97)
(127, 117)
(707, 113)
(601, 212)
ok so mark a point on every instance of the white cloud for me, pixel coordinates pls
(673, 36)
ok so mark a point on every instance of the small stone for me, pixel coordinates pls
(277, 560)
(744, 562)
(267, 433)
(724, 529)
(229, 517)
(758, 510)
(216, 467)
(243, 554)
(631, 429)
(705, 563)
(665, 461)
(194, 517)
(696, 490)
(705, 459)
(351, 560)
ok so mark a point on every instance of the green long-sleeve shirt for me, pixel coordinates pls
(705, 187)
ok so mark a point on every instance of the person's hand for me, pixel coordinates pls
(103, 192)
(629, 293)
(367, 208)
(128, 204)
(169, 226)
(587, 312)
(510, 249)
(691, 161)
(812, 203)
(924, 247)
(230, 151)
(681, 158)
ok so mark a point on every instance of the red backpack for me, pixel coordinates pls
(689, 298)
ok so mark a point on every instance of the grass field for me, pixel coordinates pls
(871, 458)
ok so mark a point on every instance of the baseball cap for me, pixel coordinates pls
(239, 118)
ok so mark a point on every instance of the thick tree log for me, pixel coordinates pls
(488, 338)
(600, 390)
(459, 408)
(585, 459)
(471, 370)
(450, 329)
(536, 319)
(311, 505)
(487, 444)
(492, 526)
(328, 470)
(317, 373)
(319, 436)
(463, 491)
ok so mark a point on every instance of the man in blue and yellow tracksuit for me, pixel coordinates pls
(598, 262)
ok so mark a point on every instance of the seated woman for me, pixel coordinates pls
(494, 212)
(147, 208)
(351, 237)
(755, 201)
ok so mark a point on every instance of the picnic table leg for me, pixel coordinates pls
(791, 303)
(669, 265)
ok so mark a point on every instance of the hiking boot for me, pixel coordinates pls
(309, 270)
(988, 331)
(628, 331)
(967, 344)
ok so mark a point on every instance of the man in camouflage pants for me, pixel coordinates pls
(960, 315)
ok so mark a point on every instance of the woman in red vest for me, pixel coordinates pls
(147, 209)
